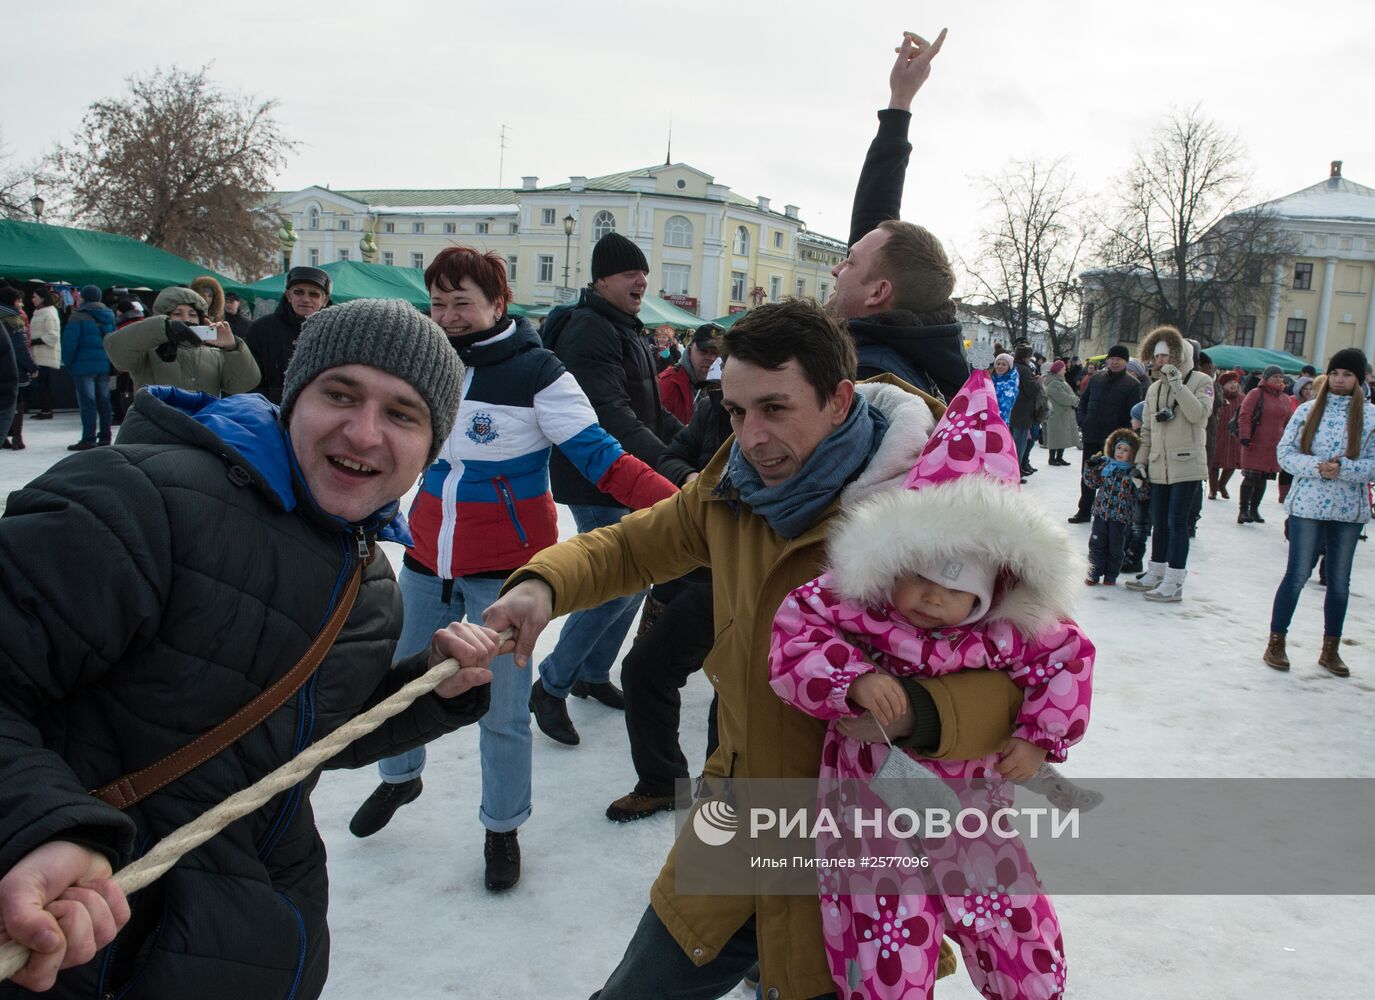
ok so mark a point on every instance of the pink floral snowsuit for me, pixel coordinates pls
(1011, 943)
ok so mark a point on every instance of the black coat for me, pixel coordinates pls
(1105, 405)
(1029, 393)
(272, 339)
(925, 351)
(9, 376)
(152, 589)
(606, 351)
(692, 448)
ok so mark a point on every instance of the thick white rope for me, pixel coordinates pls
(168, 851)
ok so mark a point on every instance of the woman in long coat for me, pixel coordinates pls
(1062, 426)
(1264, 414)
(1224, 450)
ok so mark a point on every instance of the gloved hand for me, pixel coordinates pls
(1097, 460)
(1138, 475)
(1172, 375)
(180, 333)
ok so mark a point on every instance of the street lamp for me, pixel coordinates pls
(36, 203)
(568, 222)
(286, 239)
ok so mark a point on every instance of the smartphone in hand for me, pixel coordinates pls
(204, 332)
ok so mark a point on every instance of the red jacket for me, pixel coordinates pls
(677, 392)
(1258, 447)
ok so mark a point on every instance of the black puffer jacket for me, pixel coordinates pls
(696, 443)
(272, 339)
(151, 590)
(1029, 394)
(1105, 405)
(606, 351)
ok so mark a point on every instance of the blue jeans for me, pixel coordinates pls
(504, 732)
(1306, 540)
(1170, 509)
(590, 639)
(93, 397)
(1021, 439)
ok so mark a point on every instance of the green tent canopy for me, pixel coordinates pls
(1254, 358)
(351, 279)
(655, 311)
(32, 251)
(729, 320)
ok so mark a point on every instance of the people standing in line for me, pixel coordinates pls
(1264, 414)
(678, 385)
(1105, 404)
(167, 349)
(1062, 426)
(13, 325)
(1224, 455)
(45, 343)
(271, 339)
(483, 511)
(1329, 447)
(1175, 419)
(83, 355)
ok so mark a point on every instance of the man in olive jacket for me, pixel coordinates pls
(758, 515)
(153, 589)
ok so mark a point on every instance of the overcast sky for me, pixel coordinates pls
(771, 98)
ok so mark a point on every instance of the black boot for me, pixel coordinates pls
(1244, 503)
(1257, 495)
(605, 692)
(551, 715)
(502, 853)
(379, 807)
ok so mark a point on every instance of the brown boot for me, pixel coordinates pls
(1331, 656)
(1274, 652)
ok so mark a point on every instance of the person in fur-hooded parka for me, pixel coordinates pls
(212, 292)
(960, 517)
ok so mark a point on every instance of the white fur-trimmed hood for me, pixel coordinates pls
(975, 516)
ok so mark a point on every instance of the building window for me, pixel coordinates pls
(1303, 276)
(388, 258)
(546, 216)
(742, 241)
(546, 267)
(676, 278)
(514, 228)
(737, 286)
(678, 232)
(775, 288)
(778, 239)
(602, 223)
(823, 292)
(1203, 327)
(483, 228)
(1130, 326)
(389, 227)
(314, 256)
(511, 269)
(417, 227)
(450, 228)
(801, 288)
(1088, 321)
(418, 261)
(1293, 335)
(314, 216)
(1246, 331)
(342, 225)
(344, 254)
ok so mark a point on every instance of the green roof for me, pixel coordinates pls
(351, 279)
(33, 251)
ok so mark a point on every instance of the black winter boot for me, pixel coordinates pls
(551, 715)
(502, 854)
(1257, 495)
(1244, 503)
(379, 807)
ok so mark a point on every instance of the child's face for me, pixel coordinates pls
(927, 604)
(1123, 451)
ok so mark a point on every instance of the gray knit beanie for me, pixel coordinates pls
(391, 336)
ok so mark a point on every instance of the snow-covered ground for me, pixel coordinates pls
(1180, 691)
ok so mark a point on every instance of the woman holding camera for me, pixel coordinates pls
(1174, 455)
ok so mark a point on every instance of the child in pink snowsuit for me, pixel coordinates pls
(957, 570)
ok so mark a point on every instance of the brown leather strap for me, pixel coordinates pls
(125, 791)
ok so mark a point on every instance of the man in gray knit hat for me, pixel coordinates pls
(154, 589)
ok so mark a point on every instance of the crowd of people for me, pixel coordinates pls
(782, 504)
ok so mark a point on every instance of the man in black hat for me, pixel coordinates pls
(273, 338)
(678, 385)
(1104, 405)
(601, 342)
(234, 315)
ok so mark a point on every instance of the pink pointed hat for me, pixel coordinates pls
(970, 438)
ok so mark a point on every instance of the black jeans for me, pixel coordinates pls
(1134, 551)
(1106, 541)
(653, 673)
(654, 967)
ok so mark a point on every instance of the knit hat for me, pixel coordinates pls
(972, 575)
(128, 307)
(708, 335)
(1136, 368)
(1057, 367)
(312, 275)
(391, 336)
(614, 254)
(1138, 412)
(1271, 370)
(90, 293)
(1227, 376)
(1007, 358)
(169, 298)
(1119, 351)
(1350, 359)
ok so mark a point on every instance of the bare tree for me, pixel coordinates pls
(19, 182)
(1029, 253)
(1181, 242)
(180, 164)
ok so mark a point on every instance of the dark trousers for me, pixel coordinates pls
(652, 675)
(41, 391)
(1134, 551)
(1106, 542)
(655, 967)
(1087, 493)
(1170, 509)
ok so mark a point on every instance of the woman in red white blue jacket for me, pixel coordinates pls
(483, 510)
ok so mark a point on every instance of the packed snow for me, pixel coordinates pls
(1180, 692)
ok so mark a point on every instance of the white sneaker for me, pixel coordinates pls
(1171, 589)
(1149, 580)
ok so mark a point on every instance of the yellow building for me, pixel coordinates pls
(710, 251)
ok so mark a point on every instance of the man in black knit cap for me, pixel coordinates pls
(601, 342)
